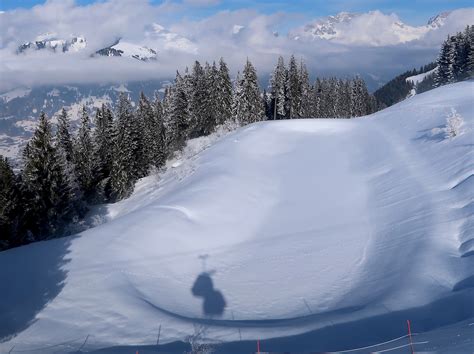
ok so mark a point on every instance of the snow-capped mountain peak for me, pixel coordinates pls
(373, 28)
(326, 28)
(122, 48)
(50, 41)
(438, 20)
(163, 38)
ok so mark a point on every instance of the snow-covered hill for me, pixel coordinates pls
(303, 225)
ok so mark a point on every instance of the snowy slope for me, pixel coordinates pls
(415, 79)
(302, 224)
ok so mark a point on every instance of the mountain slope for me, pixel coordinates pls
(295, 225)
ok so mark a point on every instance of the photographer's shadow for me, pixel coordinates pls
(214, 302)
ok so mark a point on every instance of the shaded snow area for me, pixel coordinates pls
(310, 235)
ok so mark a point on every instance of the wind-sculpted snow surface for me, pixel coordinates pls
(340, 229)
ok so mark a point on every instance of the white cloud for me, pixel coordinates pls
(202, 2)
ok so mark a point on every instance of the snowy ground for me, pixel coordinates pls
(340, 228)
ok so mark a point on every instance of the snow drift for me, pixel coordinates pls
(279, 228)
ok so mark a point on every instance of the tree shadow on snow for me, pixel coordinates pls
(213, 300)
(31, 277)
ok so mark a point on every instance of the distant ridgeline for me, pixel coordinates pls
(455, 63)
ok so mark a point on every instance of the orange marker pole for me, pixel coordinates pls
(258, 346)
(409, 336)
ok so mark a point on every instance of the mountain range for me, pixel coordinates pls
(343, 28)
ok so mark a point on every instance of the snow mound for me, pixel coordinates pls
(278, 228)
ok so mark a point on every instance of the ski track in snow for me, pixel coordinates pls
(300, 225)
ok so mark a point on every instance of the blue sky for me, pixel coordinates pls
(414, 12)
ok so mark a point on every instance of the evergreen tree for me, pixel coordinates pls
(177, 121)
(345, 99)
(248, 103)
(10, 214)
(146, 117)
(63, 137)
(198, 102)
(316, 99)
(305, 92)
(460, 57)
(236, 98)
(224, 98)
(47, 208)
(102, 152)
(84, 156)
(278, 85)
(123, 174)
(66, 158)
(293, 91)
(160, 152)
(469, 38)
(445, 74)
(359, 98)
(151, 142)
(212, 102)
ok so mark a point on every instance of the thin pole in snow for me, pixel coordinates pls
(409, 337)
(258, 346)
(158, 339)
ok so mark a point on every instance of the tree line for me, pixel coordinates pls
(64, 173)
(456, 58)
(292, 95)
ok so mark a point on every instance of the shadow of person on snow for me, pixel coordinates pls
(214, 302)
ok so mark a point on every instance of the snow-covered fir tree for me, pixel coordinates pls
(177, 120)
(359, 98)
(224, 97)
(445, 73)
(278, 89)
(66, 157)
(10, 206)
(198, 102)
(293, 91)
(47, 208)
(103, 144)
(160, 151)
(63, 137)
(248, 102)
(305, 92)
(83, 156)
(151, 134)
(123, 174)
